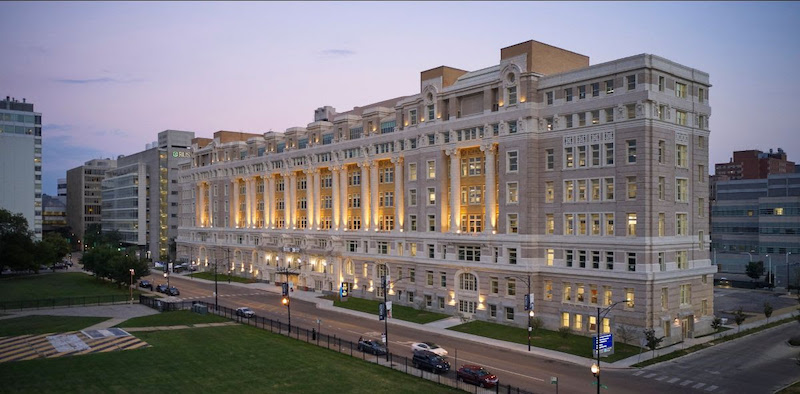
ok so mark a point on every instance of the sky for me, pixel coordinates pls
(108, 76)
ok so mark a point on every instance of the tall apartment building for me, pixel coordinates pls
(21, 161)
(140, 197)
(62, 190)
(582, 178)
(83, 195)
(757, 220)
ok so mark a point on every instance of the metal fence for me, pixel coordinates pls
(331, 342)
(51, 303)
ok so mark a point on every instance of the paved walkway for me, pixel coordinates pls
(440, 327)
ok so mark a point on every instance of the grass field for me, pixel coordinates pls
(211, 360)
(174, 318)
(57, 285)
(572, 344)
(398, 311)
(222, 277)
(37, 324)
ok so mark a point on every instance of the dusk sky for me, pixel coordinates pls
(107, 77)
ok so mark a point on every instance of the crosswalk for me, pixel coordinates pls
(29, 347)
(221, 296)
(680, 382)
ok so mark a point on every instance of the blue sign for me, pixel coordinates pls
(606, 344)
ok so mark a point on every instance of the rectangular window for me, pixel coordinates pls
(568, 94)
(548, 290)
(631, 261)
(596, 117)
(681, 259)
(412, 114)
(429, 278)
(681, 190)
(595, 152)
(550, 159)
(550, 254)
(631, 187)
(469, 253)
(443, 279)
(431, 169)
(704, 308)
(609, 115)
(549, 97)
(577, 325)
(662, 187)
(680, 117)
(595, 89)
(412, 197)
(564, 319)
(511, 287)
(610, 86)
(681, 224)
(581, 118)
(492, 308)
(662, 261)
(631, 224)
(569, 158)
(595, 218)
(582, 258)
(701, 95)
(580, 295)
(412, 171)
(431, 223)
(431, 114)
(512, 95)
(631, 82)
(509, 313)
(596, 189)
(494, 286)
(512, 256)
(662, 151)
(610, 153)
(512, 193)
(568, 119)
(569, 257)
(549, 194)
(609, 260)
(582, 190)
(701, 207)
(609, 222)
(661, 83)
(549, 121)
(581, 224)
(681, 156)
(680, 90)
(569, 191)
(550, 224)
(582, 92)
(609, 182)
(631, 144)
(662, 224)
(567, 295)
(511, 161)
(631, 110)
(431, 196)
(686, 294)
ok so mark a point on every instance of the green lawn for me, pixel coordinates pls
(398, 311)
(58, 285)
(573, 344)
(212, 360)
(37, 324)
(222, 277)
(174, 318)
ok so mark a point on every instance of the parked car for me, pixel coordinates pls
(60, 265)
(173, 291)
(428, 347)
(145, 284)
(430, 361)
(245, 312)
(373, 347)
(162, 288)
(476, 375)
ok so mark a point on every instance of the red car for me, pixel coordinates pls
(476, 375)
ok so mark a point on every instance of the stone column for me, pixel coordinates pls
(310, 198)
(455, 190)
(317, 199)
(210, 205)
(287, 201)
(235, 198)
(335, 196)
(373, 193)
(200, 205)
(399, 193)
(365, 195)
(293, 198)
(343, 197)
(272, 201)
(491, 187)
(254, 201)
(247, 212)
(267, 201)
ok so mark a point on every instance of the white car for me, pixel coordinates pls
(429, 347)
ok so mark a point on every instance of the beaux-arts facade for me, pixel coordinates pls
(589, 180)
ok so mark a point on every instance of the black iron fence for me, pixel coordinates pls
(330, 342)
(51, 303)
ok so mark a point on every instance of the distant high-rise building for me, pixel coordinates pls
(62, 190)
(54, 214)
(83, 194)
(140, 198)
(21, 161)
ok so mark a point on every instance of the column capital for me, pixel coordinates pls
(397, 159)
(455, 152)
(365, 163)
(488, 148)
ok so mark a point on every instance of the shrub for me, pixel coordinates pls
(564, 332)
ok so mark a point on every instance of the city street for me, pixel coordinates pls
(517, 368)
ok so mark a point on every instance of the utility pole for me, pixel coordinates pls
(385, 283)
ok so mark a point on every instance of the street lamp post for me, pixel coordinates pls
(528, 306)
(787, 274)
(601, 313)
(385, 280)
(131, 286)
(769, 273)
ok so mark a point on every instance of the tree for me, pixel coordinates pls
(767, 310)
(16, 242)
(58, 243)
(626, 334)
(651, 340)
(44, 253)
(755, 269)
(716, 324)
(105, 261)
(739, 317)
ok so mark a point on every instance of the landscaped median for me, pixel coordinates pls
(400, 312)
(222, 277)
(570, 343)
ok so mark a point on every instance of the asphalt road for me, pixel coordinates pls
(519, 369)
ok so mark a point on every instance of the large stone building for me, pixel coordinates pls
(83, 195)
(21, 161)
(754, 164)
(140, 197)
(584, 179)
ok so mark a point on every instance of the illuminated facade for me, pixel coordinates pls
(583, 177)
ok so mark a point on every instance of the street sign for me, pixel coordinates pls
(529, 302)
(381, 311)
(284, 289)
(605, 345)
(345, 289)
(389, 309)
(553, 380)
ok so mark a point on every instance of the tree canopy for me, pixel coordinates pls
(105, 261)
(755, 269)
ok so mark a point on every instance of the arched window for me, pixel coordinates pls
(349, 268)
(468, 282)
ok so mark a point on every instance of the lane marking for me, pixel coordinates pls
(699, 385)
(503, 370)
(673, 380)
(711, 388)
(648, 376)
(639, 373)
(687, 382)
(662, 378)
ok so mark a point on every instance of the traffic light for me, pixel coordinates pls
(285, 289)
(285, 300)
(345, 289)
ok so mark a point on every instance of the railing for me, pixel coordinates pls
(331, 342)
(51, 303)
